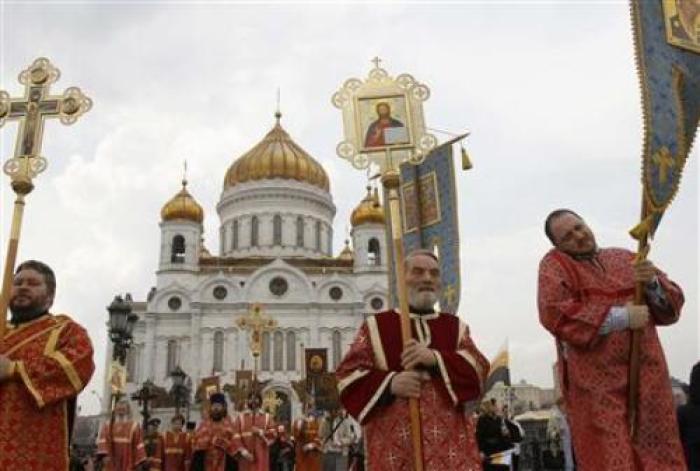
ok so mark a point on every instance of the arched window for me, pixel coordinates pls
(374, 255)
(329, 249)
(172, 357)
(337, 353)
(234, 242)
(265, 356)
(300, 231)
(277, 230)
(178, 249)
(218, 351)
(132, 361)
(318, 235)
(254, 231)
(279, 348)
(291, 351)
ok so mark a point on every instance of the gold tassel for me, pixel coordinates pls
(641, 230)
(466, 163)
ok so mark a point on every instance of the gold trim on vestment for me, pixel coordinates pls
(445, 376)
(378, 393)
(51, 352)
(177, 451)
(351, 378)
(376, 341)
(33, 336)
(28, 383)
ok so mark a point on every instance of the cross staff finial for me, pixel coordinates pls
(376, 61)
(278, 112)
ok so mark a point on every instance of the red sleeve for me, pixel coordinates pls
(139, 450)
(464, 369)
(360, 383)
(64, 368)
(562, 310)
(103, 440)
(675, 298)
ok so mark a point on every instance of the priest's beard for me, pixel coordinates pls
(423, 301)
(218, 416)
(23, 314)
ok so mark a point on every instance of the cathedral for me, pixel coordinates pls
(276, 216)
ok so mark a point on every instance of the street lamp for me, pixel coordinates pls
(144, 396)
(121, 327)
(179, 390)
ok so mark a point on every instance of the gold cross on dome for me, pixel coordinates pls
(376, 61)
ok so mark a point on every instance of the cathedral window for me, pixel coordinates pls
(178, 249)
(265, 356)
(278, 349)
(291, 351)
(171, 357)
(234, 242)
(254, 223)
(336, 349)
(277, 230)
(335, 293)
(377, 303)
(318, 235)
(300, 231)
(218, 351)
(374, 255)
(220, 292)
(132, 360)
(278, 286)
(329, 250)
(174, 303)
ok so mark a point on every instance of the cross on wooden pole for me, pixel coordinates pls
(31, 111)
(257, 323)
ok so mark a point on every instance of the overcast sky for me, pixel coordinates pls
(549, 91)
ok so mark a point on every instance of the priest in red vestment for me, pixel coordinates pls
(585, 300)
(45, 361)
(177, 445)
(217, 442)
(120, 442)
(154, 444)
(258, 430)
(440, 366)
(307, 440)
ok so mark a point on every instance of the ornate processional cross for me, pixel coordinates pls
(257, 323)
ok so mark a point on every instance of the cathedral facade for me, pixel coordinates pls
(276, 216)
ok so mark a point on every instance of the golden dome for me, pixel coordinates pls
(182, 206)
(346, 253)
(369, 210)
(276, 156)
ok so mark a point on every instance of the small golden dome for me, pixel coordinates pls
(369, 211)
(182, 206)
(346, 253)
(276, 156)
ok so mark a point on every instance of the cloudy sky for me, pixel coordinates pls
(548, 89)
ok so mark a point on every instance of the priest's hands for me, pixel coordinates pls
(407, 384)
(638, 315)
(6, 368)
(246, 454)
(416, 354)
(644, 272)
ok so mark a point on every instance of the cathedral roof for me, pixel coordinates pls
(369, 210)
(276, 156)
(182, 206)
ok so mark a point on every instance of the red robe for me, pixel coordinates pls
(365, 374)
(126, 451)
(37, 404)
(307, 442)
(217, 439)
(574, 299)
(258, 446)
(177, 455)
(155, 451)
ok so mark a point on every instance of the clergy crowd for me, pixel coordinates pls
(409, 401)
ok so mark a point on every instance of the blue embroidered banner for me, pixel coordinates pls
(668, 60)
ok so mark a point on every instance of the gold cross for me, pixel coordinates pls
(271, 402)
(664, 160)
(257, 323)
(376, 61)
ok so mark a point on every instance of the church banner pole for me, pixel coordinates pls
(31, 111)
(391, 182)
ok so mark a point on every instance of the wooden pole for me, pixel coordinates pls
(391, 181)
(633, 392)
(10, 260)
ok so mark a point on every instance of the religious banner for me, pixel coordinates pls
(667, 39)
(117, 378)
(316, 361)
(208, 386)
(429, 206)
